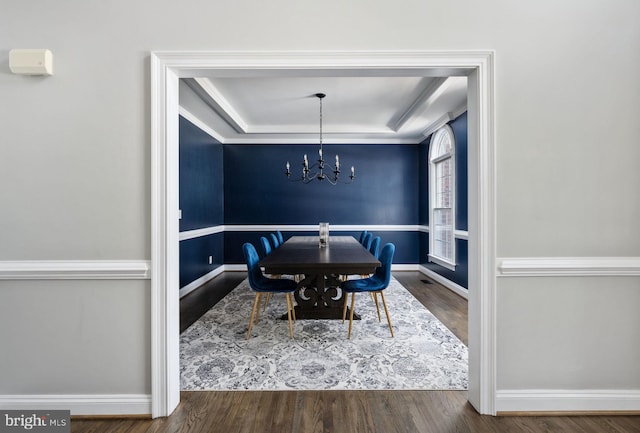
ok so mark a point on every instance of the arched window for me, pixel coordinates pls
(442, 198)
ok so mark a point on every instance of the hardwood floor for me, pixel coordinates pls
(449, 307)
(198, 302)
(345, 411)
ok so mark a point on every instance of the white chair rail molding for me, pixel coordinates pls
(75, 270)
(568, 266)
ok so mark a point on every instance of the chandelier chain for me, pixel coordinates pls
(321, 123)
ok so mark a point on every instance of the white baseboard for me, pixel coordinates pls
(200, 281)
(404, 267)
(447, 283)
(538, 400)
(116, 404)
(235, 268)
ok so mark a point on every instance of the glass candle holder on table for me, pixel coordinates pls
(324, 235)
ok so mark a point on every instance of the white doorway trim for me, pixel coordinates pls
(166, 70)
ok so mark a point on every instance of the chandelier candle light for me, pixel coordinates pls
(320, 165)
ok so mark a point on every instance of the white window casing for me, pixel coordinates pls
(442, 191)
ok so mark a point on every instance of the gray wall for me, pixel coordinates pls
(75, 169)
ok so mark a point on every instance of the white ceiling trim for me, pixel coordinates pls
(281, 139)
(199, 123)
(214, 99)
(425, 98)
(222, 106)
(446, 118)
(370, 105)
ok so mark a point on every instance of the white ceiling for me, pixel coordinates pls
(356, 109)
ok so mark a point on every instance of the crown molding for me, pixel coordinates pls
(200, 124)
(217, 102)
(439, 123)
(202, 68)
(426, 98)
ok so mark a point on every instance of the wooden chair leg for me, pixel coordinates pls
(293, 307)
(267, 298)
(258, 309)
(289, 308)
(344, 306)
(375, 299)
(386, 311)
(353, 298)
(256, 303)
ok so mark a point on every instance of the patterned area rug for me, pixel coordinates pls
(424, 355)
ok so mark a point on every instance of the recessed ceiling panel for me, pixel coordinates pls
(374, 109)
(352, 104)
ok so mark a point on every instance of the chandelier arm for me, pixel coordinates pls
(347, 181)
(331, 181)
(308, 179)
(320, 165)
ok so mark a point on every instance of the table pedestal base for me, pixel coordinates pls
(320, 297)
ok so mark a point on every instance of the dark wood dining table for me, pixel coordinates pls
(319, 295)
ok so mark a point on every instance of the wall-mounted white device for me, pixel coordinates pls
(31, 61)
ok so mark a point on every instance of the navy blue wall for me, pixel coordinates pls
(201, 178)
(423, 180)
(201, 201)
(407, 243)
(461, 274)
(246, 185)
(194, 256)
(459, 128)
(258, 192)
(384, 192)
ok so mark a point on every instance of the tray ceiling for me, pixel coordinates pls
(357, 109)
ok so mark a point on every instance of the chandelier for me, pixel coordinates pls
(320, 166)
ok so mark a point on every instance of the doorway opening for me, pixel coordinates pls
(166, 70)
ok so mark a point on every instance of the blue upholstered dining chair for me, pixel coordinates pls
(263, 285)
(366, 242)
(280, 237)
(374, 284)
(266, 249)
(362, 235)
(266, 246)
(374, 249)
(274, 241)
